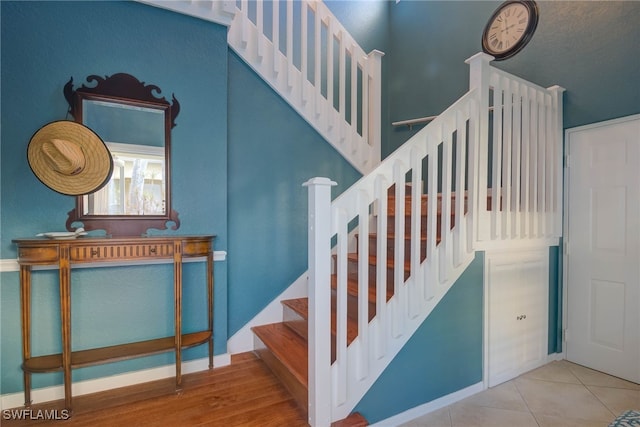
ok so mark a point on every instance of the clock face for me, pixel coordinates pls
(510, 28)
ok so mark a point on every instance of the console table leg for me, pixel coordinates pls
(177, 310)
(25, 310)
(210, 303)
(65, 317)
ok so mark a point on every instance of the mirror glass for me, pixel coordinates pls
(135, 123)
(135, 137)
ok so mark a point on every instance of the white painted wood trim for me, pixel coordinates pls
(219, 11)
(8, 265)
(434, 405)
(515, 255)
(554, 357)
(46, 394)
(516, 244)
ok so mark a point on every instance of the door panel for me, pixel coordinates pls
(517, 284)
(603, 259)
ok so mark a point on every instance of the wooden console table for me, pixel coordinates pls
(64, 254)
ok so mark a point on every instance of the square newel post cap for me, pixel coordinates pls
(319, 181)
(480, 56)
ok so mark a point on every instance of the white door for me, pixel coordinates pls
(603, 253)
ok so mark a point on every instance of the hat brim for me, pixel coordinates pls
(98, 162)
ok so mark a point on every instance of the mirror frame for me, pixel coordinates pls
(125, 89)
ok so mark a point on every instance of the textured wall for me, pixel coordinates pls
(43, 45)
(590, 48)
(443, 356)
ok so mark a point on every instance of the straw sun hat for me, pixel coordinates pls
(69, 158)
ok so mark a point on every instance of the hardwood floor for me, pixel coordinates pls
(244, 393)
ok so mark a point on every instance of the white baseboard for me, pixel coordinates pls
(418, 411)
(46, 394)
(554, 357)
(242, 341)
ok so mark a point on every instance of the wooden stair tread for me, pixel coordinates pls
(288, 347)
(352, 289)
(353, 420)
(393, 236)
(301, 306)
(374, 261)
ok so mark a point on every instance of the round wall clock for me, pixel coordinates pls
(510, 28)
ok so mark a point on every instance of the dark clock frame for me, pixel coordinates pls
(534, 13)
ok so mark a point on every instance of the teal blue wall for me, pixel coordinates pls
(43, 45)
(589, 47)
(443, 356)
(555, 299)
(271, 153)
(239, 158)
(240, 155)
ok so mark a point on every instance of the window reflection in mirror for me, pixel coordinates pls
(136, 186)
(135, 136)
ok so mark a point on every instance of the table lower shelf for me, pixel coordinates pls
(82, 358)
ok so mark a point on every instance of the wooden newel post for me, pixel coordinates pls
(319, 301)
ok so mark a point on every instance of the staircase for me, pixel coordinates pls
(382, 255)
(386, 251)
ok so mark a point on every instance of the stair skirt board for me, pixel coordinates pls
(243, 340)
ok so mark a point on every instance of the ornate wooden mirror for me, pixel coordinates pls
(135, 123)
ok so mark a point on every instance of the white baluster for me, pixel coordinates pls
(507, 142)
(363, 284)
(526, 163)
(341, 363)
(535, 109)
(291, 67)
(517, 164)
(342, 67)
(472, 184)
(317, 73)
(557, 120)
(246, 23)
(398, 250)
(460, 195)
(445, 209)
(354, 100)
(381, 192)
(275, 35)
(416, 295)
(432, 214)
(496, 185)
(330, 77)
(374, 106)
(260, 27)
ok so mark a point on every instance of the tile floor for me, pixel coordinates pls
(559, 394)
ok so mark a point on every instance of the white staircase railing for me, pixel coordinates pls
(447, 166)
(303, 52)
(525, 167)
